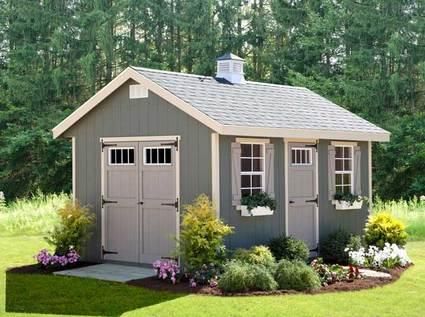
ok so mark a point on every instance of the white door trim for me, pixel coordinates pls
(215, 171)
(74, 168)
(138, 139)
(286, 169)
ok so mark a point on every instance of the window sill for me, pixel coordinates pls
(345, 205)
(257, 211)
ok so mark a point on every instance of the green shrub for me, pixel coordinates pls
(289, 248)
(202, 234)
(259, 199)
(242, 277)
(296, 275)
(259, 255)
(355, 243)
(332, 249)
(73, 229)
(384, 227)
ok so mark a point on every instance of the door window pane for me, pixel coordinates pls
(121, 156)
(157, 155)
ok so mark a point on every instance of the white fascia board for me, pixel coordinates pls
(305, 133)
(130, 73)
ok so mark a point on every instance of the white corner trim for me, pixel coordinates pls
(74, 168)
(340, 143)
(286, 170)
(369, 163)
(251, 140)
(215, 171)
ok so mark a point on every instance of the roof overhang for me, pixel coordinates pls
(130, 73)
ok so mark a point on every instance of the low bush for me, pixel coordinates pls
(167, 269)
(202, 234)
(296, 275)
(289, 248)
(45, 259)
(355, 242)
(73, 229)
(330, 274)
(389, 257)
(384, 228)
(332, 249)
(242, 277)
(260, 255)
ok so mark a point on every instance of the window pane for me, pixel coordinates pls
(339, 165)
(168, 156)
(293, 154)
(154, 156)
(246, 150)
(338, 179)
(119, 157)
(131, 156)
(125, 156)
(308, 157)
(347, 179)
(148, 156)
(256, 181)
(347, 152)
(257, 165)
(298, 159)
(347, 189)
(256, 191)
(338, 152)
(347, 165)
(161, 156)
(245, 192)
(113, 158)
(245, 181)
(257, 150)
(339, 189)
(246, 165)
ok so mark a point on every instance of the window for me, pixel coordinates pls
(160, 155)
(252, 169)
(344, 168)
(121, 156)
(301, 156)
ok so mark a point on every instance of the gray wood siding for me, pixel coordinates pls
(119, 116)
(331, 219)
(251, 230)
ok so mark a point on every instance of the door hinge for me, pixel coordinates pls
(107, 252)
(316, 200)
(104, 201)
(175, 144)
(174, 204)
(107, 144)
(311, 146)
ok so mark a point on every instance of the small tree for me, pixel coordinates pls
(73, 229)
(202, 234)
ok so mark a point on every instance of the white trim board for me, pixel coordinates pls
(215, 171)
(130, 73)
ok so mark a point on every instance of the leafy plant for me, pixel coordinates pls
(332, 249)
(73, 230)
(206, 274)
(349, 197)
(259, 255)
(330, 274)
(259, 199)
(242, 277)
(167, 269)
(289, 248)
(296, 275)
(389, 257)
(46, 259)
(384, 228)
(202, 235)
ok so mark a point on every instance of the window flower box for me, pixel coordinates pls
(257, 211)
(347, 205)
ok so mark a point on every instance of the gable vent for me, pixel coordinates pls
(138, 91)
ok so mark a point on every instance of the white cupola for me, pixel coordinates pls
(230, 67)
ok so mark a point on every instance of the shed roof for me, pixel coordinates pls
(256, 104)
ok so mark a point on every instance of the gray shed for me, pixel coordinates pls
(151, 141)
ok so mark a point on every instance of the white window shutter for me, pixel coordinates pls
(331, 172)
(357, 170)
(269, 173)
(236, 173)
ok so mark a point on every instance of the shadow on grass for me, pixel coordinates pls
(49, 294)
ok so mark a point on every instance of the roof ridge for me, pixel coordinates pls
(169, 72)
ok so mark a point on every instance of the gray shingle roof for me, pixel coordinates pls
(257, 104)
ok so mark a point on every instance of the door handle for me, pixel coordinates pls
(140, 203)
(292, 202)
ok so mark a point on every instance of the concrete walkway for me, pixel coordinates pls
(110, 272)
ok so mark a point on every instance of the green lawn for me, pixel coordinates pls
(72, 296)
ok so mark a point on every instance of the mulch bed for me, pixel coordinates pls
(38, 269)
(156, 284)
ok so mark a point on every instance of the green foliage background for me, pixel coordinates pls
(368, 56)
